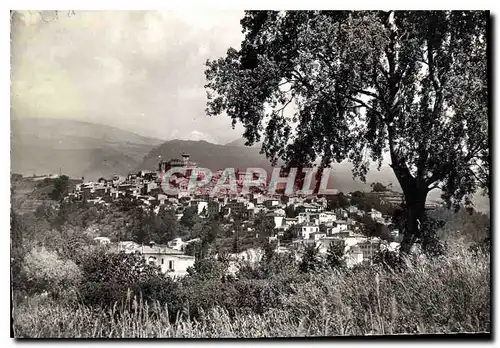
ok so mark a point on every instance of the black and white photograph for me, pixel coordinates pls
(223, 173)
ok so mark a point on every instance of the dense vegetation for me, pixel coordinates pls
(449, 294)
(65, 285)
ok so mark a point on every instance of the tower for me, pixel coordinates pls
(185, 159)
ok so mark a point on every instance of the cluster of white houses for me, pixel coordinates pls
(321, 228)
(314, 224)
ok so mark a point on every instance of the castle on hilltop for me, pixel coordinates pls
(185, 162)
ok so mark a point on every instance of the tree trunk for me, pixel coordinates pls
(415, 192)
(413, 218)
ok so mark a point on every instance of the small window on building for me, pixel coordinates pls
(171, 264)
(162, 261)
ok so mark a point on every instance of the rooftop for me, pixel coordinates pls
(159, 249)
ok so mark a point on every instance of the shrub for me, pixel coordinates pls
(106, 294)
(120, 268)
(61, 186)
(335, 256)
(257, 296)
(162, 291)
(311, 261)
(209, 268)
(114, 277)
(46, 271)
(483, 247)
(390, 260)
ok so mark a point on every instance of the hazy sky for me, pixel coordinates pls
(137, 70)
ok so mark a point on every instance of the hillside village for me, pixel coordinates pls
(297, 221)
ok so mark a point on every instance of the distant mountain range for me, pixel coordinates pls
(241, 143)
(43, 146)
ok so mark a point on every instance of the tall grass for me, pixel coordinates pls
(446, 295)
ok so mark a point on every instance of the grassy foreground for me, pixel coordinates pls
(446, 295)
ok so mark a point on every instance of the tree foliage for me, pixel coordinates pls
(147, 226)
(311, 260)
(110, 278)
(291, 212)
(44, 270)
(118, 268)
(378, 187)
(263, 225)
(335, 256)
(61, 186)
(338, 201)
(189, 217)
(412, 84)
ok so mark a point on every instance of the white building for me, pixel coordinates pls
(162, 199)
(249, 256)
(303, 218)
(176, 244)
(350, 238)
(326, 241)
(128, 246)
(311, 208)
(102, 240)
(307, 230)
(395, 233)
(317, 236)
(289, 222)
(342, 213)
(326, 217)
(269, 203)
(354, 256)
(172, 262)
(369, 248)
(277, 219)
(352, 209)
(338, 227)
(375, 214)
(323, 202)
(200, 205)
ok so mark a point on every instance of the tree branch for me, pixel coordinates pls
(284, 106)
(435, 186)
(400, 168)
(368, 93)
(363, 104)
